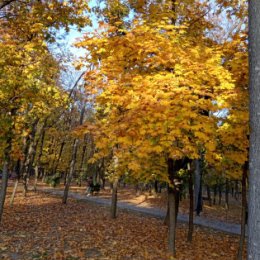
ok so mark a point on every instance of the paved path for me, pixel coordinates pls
(154, 212)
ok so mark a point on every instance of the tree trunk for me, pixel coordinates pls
(54, 170)
(156, 186)
(190, 232)
(236, 190)
(254, 150)
(227, 194)
(14, 192)
(28, 162)
(172, 208)
(219, 194)
(38, 161)
(172, 222)
(6, 164)
(243, 214)
(81, 168)
(4, 184)
(166, 220)
(72, 168)
(215, 194)
(209, 196)
(198, 186)
(114, 199)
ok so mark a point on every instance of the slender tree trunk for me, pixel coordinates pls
(243, 213)
(6, 164)
(172, 208)
(54, 170)
(209, 196)
(4, 184)
(190, 232)
(14, 192)
(81, 168)
(172, 221)
(236, 190)
(227, 194)
(166, 220)
(38, 161)
(156, 186)
(254, 150)
(215, 194)
(114, 199)
(72, 168)
(198, 186)
(28, 161)
(219, 194)
(18, 173)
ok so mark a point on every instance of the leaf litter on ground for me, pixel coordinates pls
(39, 226)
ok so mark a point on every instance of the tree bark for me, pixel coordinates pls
(28, 162)
(38, 160)
(243, 214)
(114, 200)
(209, 195)
(172, 208)
(227, 194)
(172, 222)
(14, 192)
(254, 150)
(215, 194)
(219, 194)
(198, 186)
(72, 168)
(190, 232)
(84, 149)
(6, 163)
(54, 170)
(18, 173)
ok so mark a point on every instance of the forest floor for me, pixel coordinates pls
(159, 200)
(39, 226)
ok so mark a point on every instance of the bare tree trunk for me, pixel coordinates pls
(4, 184)
(18, 173)
(114, 199)
(14, 192)
(172, 222)
(166, 220)
(236, 190)
(215, 194)
(190, 232)
(254, 150)
(54, 170)
(227, 194)
(219, 194)
(243, 214)
(29, 157)
(172, 207)
(209, 195)
(84, 148)
(198, 186)
(72, 168)
(6, 164)
(38, 161)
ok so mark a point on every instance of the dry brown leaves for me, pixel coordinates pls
(41, 227)
(144, 199)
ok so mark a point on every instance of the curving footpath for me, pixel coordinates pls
(153, 212)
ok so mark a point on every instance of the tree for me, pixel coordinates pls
(28, 72)
(254, 148)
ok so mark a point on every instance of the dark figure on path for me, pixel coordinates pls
(90, 185)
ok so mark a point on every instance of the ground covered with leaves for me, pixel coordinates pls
(41, 227)
(146, 199)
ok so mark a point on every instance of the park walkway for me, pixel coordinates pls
(151, 211)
